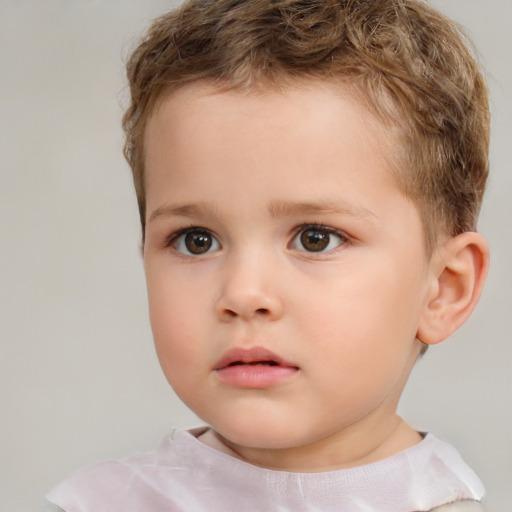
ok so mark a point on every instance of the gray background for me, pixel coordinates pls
(78, 377)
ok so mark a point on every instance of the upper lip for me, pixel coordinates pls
(250, 355)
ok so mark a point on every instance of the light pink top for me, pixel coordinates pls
(184, 474)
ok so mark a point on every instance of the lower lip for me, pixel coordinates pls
(257, 376)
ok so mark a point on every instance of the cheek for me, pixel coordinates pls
(175, 320)
(365, 320)
(174, 299)
(179, 353)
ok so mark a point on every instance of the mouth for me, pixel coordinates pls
(268, 363)
(251, 357)
(254, 368)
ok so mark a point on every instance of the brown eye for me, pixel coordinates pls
(317, 239)
(196, 242)
(314, 240)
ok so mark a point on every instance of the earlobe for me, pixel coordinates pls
(459, 270)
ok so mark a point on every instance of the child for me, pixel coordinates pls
(309, 176)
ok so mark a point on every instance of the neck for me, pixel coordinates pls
(349, 448)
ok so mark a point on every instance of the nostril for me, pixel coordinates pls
(233, 313)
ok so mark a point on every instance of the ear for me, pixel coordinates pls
(459, 268)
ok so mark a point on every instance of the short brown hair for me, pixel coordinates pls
(411, 66)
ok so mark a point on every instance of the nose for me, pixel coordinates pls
(249, 292)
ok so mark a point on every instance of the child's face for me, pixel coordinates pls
(274, 225)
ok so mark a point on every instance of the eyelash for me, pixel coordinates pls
(171, 240)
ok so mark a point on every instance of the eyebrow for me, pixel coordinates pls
(185, 210)
(323, 207)
(277, 209)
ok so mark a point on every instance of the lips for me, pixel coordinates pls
(251, 356)
(253, 368)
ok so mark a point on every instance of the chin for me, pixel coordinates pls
(262, 434)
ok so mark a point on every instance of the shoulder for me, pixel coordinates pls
(127, 484)
(92, 488)
(445, 464)
(463, 489)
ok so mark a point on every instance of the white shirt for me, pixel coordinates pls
(184, 474)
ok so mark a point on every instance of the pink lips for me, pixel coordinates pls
(254, 368)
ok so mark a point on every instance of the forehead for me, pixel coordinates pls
(313, 113)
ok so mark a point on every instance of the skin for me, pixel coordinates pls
(252, 169)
